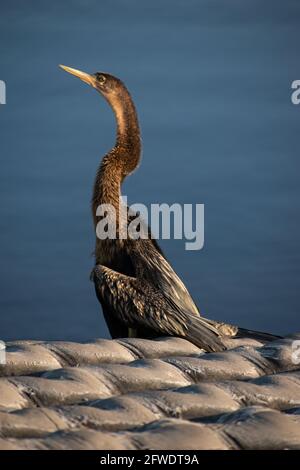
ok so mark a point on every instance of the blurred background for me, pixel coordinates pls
(212, 84)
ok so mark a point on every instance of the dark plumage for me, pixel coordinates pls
(139, 291)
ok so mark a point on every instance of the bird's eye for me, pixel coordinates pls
(101, 79)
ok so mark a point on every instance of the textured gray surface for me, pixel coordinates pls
(142, 394)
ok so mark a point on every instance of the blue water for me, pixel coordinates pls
(211, 81)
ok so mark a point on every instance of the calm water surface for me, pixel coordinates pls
(211, 81)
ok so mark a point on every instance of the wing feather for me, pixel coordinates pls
(153, 267)
(135, 302)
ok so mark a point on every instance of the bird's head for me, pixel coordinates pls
(106, 84)
(118, 97)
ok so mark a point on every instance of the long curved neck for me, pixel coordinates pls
(128, 131)
(123, 158)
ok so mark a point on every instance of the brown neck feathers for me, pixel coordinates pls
(124, 157)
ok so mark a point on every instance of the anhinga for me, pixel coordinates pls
(140, 293)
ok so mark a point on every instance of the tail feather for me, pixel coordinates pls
(259, 335)
(204, 335)
(233, 331)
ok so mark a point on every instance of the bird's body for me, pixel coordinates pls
(139, 291)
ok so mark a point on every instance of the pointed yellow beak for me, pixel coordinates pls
(85, 77)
